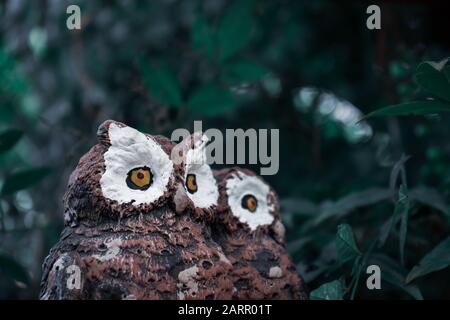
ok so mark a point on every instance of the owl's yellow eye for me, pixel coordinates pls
(140, 178)
(249, 202)
(191, 183)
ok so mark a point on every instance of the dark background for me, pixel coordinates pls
(308, 68)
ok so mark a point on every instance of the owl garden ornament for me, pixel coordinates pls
(123, 231)
(141, 226)
(249, 230)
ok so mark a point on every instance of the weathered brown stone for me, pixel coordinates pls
(262, 268)
(132, 252)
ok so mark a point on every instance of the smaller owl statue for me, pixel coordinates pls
(136, 224)
(249, 229)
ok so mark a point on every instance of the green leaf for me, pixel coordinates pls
(430, 66)
(23, 179)
(345, 243)
(13, 269)
(436, 259)
(246, 70)
(358, 265)
(13, 82)
(397, 169)
(394, 274)
(203, 37)
(401, 208)
(447, 73)
(9, 138)
(403, 203)
(350, 203)
(434, 83)
(432, 78)
(162, 84)
(385, 230)
(211, 100)
(333, 290)
(410, 108)
(235, 29)
(431, 198)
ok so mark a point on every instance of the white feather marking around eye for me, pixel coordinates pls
(196, 163)
(132, 149)
(240, 185)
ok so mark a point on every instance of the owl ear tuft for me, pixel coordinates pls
(103, 131)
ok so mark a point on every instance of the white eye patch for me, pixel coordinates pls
(199, 180)
(247, 198)
(131, 149)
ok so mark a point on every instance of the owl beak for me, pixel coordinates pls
(181, 199)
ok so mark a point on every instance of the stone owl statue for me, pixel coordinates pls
(249, 230)
(137, 224)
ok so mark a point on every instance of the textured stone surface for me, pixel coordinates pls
(140, 257)
(261, 268)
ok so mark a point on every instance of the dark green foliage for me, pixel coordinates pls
(394, 274)
(9, 138)
(23, 179)
(436, 259)
(432, 77)
(333, 290)
(161, 84)
(11, 270)
(411, 108)
(245, 70)
(235, 28)
(211, 100)
(346, 246)
(203, 37)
